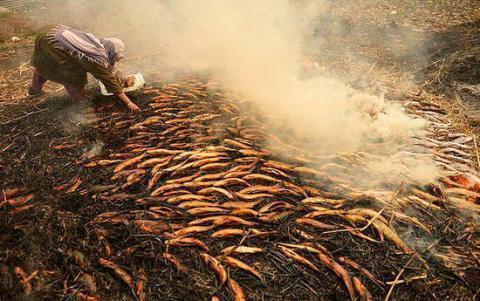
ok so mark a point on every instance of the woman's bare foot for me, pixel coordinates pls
(33, 92)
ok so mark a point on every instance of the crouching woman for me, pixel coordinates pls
(65, 55)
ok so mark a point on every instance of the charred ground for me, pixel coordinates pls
(44, 145)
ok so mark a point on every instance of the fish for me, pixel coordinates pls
(244, 212)
(153, 161)
(205, 161)
(219, 148)
(6, 194)
(174, 167)
(340, 272)
(209, 177)
(310, 201)
(251, 160)
(173, 260)
(279, 165)
(232, 220)
(187, 242)
(293, 255)
(240, 204)
(310, 247)
(194, 204)
(362, 290)
(140, 285)
(27, 286)
(153, 180)
(20, 209)
(123, 174)
(424, 195)
(235, 174)
(236, 263)
(100, 163)
(275, 205)
(128, 163)
(255, 153)
(118, 271)
(174, 193)
(383, 229)
(210, 190)
(361, 269)
(295, 190)
(183, 179)
(410, 221)
(463, 204)
(163, 211)
(314, 223)
(89, 282)
(252, 196)
(205, 210)
(230, 182)
(361, 235)
(105, 217)
(318, 213)
(235, 143)
(243, 168)
(463, 192)
(214, 166)
(183, 167)
(208, 154)
(261, 189)
(18, 201)
(305, 235)
(198, 185)
(275, 172)
(154, 227)
(205, 220)
(229, 232)
(215, 265)
(261, 177)
(177, 120)
(191, 230)
(241, 250)
(237, 291)
(368, 213)
(134, 178)
(275, 217)
(164, 188)
(79, 259)
(187, 197)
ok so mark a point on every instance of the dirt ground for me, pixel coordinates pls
(52, 245)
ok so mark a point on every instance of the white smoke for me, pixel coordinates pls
(256, 49)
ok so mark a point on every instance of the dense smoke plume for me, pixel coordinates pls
(256, 49)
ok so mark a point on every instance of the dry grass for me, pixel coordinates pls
(14, 24)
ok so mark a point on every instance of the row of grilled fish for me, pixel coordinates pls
(199, 170)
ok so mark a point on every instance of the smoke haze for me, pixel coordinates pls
(256, 49)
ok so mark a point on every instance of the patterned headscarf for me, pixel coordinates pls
(105, 52)
(115, 49)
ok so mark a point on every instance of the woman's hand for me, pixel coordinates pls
(132, 106)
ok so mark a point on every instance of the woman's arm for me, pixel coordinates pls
(124, 80)
(124, 98)
(110, 82)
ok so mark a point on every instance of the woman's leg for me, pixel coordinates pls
(77, 93)
(37, 83)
